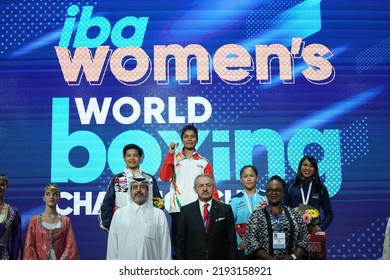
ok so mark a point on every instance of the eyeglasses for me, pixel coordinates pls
(277, 191)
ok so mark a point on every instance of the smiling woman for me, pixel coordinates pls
(307, 189)
(276, 232)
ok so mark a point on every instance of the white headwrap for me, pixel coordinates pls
(148, 183)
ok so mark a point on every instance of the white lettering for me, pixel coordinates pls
(192, 102)
(155, 110)
(127, 110)
(173, 118)
(116, 110)
(93, 109)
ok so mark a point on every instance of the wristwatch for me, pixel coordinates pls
(294, 257)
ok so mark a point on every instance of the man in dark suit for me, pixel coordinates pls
(206, 232)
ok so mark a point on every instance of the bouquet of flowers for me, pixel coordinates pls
(158, 202)
(241, 228)
(262, 205)
(310, 217)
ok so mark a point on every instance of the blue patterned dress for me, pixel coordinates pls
(10, 234)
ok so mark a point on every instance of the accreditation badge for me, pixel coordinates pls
(279, 240)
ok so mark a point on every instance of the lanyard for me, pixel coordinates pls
(306, 200)
(248, 203)
(276, 218)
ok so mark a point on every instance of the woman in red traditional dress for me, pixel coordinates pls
(50, 234)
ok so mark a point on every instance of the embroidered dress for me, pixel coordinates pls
(10, 234)
(260, 229)
(386, 242)
(40, 240)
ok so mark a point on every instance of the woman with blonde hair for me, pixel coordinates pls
(386, 243)
(50, 234)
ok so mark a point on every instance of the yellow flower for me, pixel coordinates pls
(313, 213)
(158, 202)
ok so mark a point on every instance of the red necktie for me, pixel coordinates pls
(206, 216)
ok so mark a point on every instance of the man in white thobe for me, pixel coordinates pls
(139, 231)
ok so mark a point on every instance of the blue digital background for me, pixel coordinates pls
(355, 105)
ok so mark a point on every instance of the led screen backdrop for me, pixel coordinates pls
(266, 82)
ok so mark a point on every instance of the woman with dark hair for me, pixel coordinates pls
(244, 203)
(308, 189)
(10, 226)
(276, 232)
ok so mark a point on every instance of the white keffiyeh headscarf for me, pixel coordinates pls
(149, 183)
